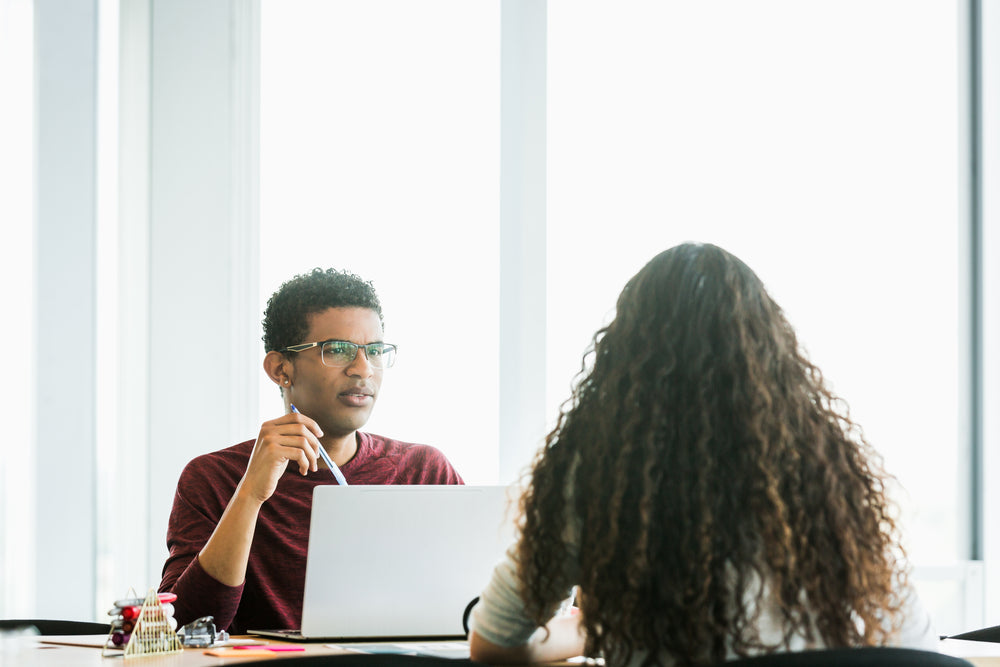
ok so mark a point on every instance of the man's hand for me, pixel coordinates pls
(292, 437)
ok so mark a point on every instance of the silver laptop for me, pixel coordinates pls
(399, 562)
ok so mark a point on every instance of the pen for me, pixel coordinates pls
(329, 462)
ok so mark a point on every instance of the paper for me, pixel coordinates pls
(240, 653)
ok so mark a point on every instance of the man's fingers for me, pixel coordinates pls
(301, 450)
(281, 433)
(297, 418)
(291, 442)
(291, 437)
(297, 454)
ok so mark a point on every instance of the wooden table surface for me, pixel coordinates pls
(86, 651)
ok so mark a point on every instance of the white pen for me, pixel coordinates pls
(329, 462)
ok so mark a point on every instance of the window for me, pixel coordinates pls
(792, 135)
(818, 142)
(380, 154)
(824, 153)
(788, 133)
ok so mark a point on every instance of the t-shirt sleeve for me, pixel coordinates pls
(444, 472)
(192, 520)
(499, 616)
(423, 464)
(917, 630)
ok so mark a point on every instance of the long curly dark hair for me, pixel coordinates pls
(710, 473)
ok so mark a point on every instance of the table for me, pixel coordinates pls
(980, 654)
(85, 651)
(44, 652)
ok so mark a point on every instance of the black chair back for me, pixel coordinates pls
(850, 657)
(882, 656)
(47, 626)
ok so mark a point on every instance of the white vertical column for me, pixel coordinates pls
(990, 249)
(123, 422)
(66, 92)
(967, 279)
(203, 239)
(17, 286)
(522, 232)
(246, 350)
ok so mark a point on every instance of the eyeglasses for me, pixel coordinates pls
(338, 353)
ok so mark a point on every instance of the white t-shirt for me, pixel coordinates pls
(499, 616)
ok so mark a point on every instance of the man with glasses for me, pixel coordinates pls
(239, 527)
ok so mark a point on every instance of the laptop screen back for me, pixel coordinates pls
(401, 561)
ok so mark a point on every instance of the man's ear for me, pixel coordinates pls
(278, 368)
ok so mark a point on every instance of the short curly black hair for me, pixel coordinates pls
(286, 316)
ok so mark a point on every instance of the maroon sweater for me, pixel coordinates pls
(271, 595)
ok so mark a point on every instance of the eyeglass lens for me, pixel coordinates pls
(343, 353)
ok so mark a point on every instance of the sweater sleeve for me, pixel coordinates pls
(439, 469)
(192, 521)
(386, 461)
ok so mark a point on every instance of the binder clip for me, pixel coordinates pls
(201, 633)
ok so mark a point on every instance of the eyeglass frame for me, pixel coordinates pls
(302, 347)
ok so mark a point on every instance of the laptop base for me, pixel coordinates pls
(296, 636)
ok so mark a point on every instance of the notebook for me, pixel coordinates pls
(399, 562)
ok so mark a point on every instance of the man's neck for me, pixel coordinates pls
(341, 448)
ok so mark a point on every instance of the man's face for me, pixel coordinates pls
(340, 399)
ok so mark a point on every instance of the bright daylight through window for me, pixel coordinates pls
(786, 132)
